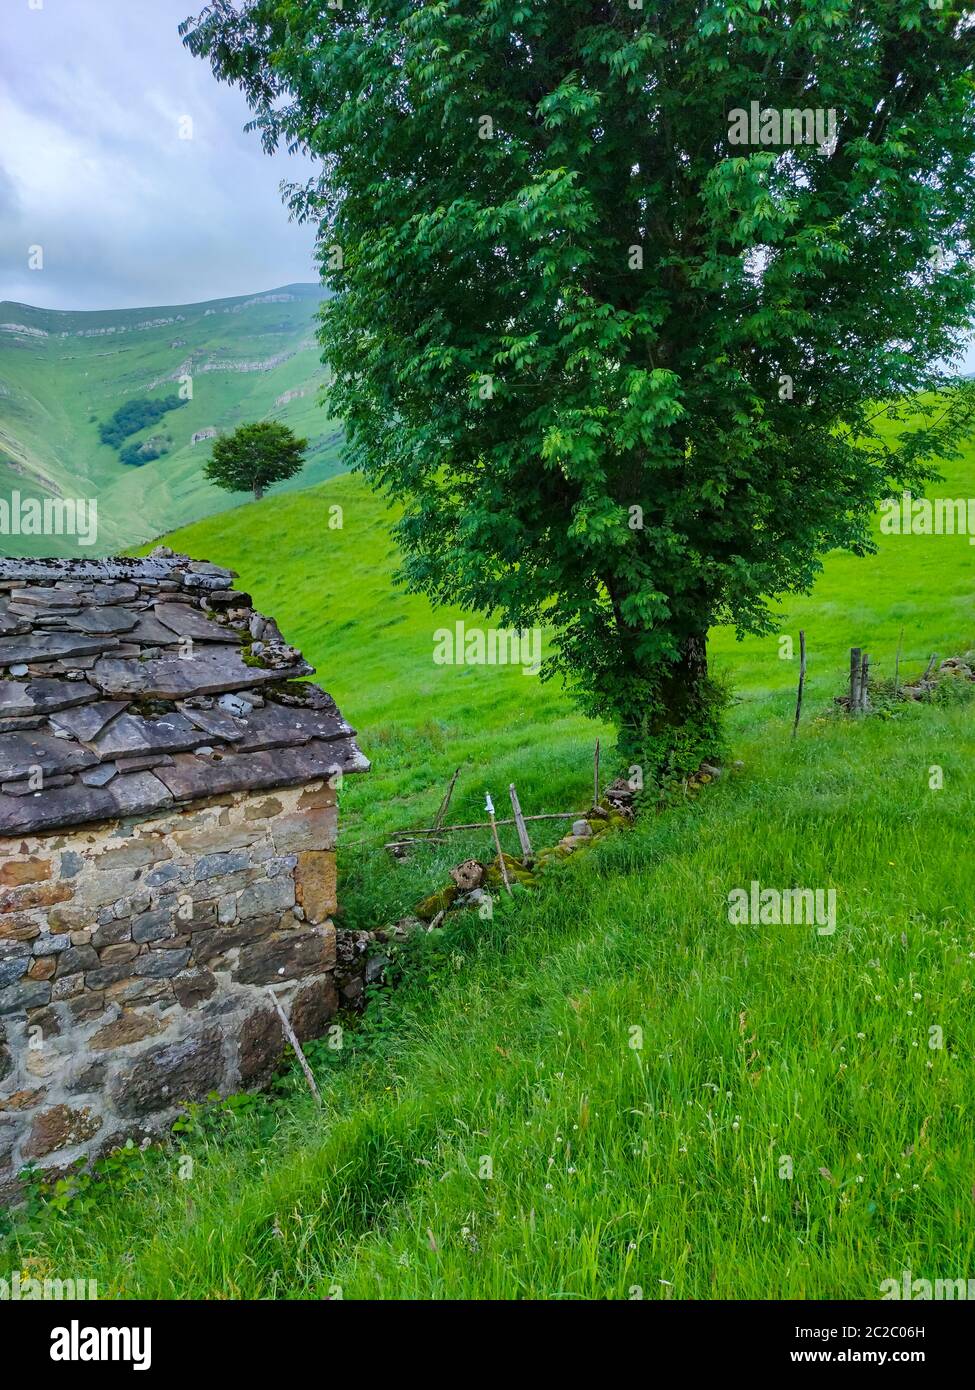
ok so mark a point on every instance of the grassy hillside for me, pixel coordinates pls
(784, 1130)
(61, 374)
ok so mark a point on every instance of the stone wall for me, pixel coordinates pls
(134, 963)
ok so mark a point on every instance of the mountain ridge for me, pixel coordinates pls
(299, 289)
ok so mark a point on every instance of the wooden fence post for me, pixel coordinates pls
(489, 807)
(523, 840)
(438, 821)
(802, 679)
(854, 679)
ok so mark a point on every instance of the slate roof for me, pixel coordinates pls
(134, 685)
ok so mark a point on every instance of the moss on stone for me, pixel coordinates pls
(437, 902)
(249, 659)
(517, 873)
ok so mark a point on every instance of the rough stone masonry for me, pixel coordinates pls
(167, 849)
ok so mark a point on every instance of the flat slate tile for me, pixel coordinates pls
(284, 726)
(43, 696)
(52, 571)
(11, 622)
(22, 751)
(210, 672)
(25, 789)
(86, 722)
(41, 597)
(50, 646)
(130, 735)
(134, 794)
(100, 774)
(192, 777)
(216, 723)
(140, 762)
(151, 632)
(185, 621)
(115, 593)
(105, 620)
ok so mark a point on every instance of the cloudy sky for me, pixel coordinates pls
(93, 96)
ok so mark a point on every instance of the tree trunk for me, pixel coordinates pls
(682, 688)
(667, 715)
(258, 492)
(669, 721)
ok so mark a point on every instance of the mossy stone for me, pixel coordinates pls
(517, 873)
(437, 902)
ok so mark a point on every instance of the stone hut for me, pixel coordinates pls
(167, 849)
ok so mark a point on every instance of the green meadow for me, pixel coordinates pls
(607, 1089)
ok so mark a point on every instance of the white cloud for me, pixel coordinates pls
(93, 169)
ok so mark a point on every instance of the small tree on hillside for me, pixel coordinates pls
(639, 309)
(254, 457)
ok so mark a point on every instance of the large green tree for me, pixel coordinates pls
(625, 373)
(255, 456)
